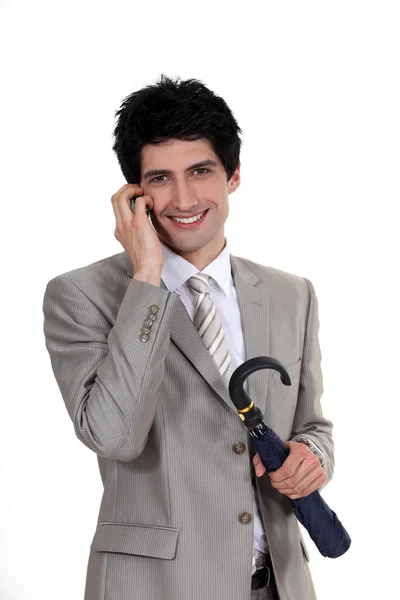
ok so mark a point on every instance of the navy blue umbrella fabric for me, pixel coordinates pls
(312, 511)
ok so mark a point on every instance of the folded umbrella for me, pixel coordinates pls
(312, 511)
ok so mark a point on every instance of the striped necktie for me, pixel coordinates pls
(209, 326)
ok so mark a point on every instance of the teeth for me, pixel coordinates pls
(192, 220)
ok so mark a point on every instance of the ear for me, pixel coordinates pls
(234, 181)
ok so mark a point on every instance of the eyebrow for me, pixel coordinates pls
(203, 163)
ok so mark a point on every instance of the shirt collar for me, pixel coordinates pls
(177, 270)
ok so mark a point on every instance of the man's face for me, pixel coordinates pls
(187, 192)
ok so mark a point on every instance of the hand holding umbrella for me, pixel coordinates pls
(300, 475)
(314, 514)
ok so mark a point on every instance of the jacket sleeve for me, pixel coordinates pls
(109, 379)
(309, 420)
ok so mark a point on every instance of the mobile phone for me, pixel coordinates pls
(133, 206)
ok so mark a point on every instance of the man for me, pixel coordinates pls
(143, 344)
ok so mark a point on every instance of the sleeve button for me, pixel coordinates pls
(144, 337)
(153, 308)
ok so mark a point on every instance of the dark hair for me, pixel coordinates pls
(171, 110)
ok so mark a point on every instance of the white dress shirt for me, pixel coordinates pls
(175, 273)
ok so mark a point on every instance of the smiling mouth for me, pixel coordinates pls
(188, 220)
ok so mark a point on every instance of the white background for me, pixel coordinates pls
(315, 89)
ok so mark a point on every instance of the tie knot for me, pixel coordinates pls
(199, 283)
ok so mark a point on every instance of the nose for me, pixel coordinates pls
(183, 197)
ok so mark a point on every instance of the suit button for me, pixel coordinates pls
(146, 330)
(245, 518)
(148, 323)
(144, 337)
(239, 448)
(152, 316)
(153, 308)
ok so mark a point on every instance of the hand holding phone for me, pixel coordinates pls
(134, 230)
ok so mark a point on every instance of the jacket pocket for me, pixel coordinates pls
(293, 370)
(135, 538)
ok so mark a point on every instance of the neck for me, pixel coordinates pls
(202, 257)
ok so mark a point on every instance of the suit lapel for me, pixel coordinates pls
(254, 310)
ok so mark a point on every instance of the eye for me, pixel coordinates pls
(158, 176)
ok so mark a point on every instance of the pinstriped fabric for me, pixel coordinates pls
(209, 326)
(158, 415)
(158, 541)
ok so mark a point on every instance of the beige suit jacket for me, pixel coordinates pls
(160, 420)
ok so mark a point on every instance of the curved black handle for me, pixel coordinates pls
(250, 414)
(312, 511)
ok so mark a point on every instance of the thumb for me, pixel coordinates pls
(258, 465)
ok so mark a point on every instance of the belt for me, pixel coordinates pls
(264, 576)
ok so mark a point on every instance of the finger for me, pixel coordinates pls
(299, 455)
(293, 469)
(286, 471)
(260, 470)
(121, 203)
(314, 485)
(298, 484)
(141, 203)
(258, 465)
